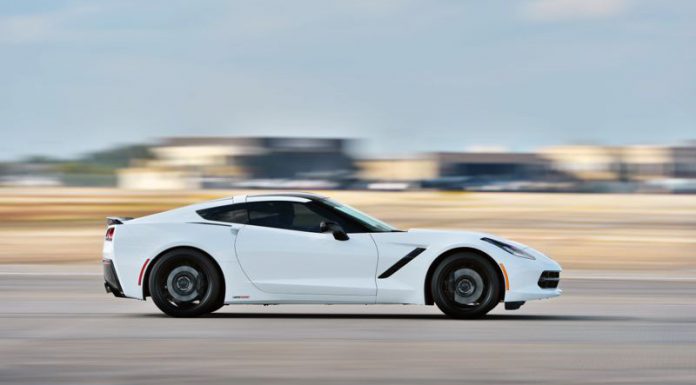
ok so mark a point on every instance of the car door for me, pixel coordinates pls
(282, 251)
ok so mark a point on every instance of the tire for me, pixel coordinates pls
(186, 283)
(218, 306)
(465, 285)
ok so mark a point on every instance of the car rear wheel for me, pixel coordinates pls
(465, 285)
(186, 283)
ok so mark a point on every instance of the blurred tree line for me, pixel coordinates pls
(93, 169)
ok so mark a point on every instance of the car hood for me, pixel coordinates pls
(446, 238)
(433, 235)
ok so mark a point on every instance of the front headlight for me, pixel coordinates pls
(514, 250)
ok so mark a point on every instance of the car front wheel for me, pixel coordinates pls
(186, 283)
(465, 285)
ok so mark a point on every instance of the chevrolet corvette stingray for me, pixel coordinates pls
(300, 248)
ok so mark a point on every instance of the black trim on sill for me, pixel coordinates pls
(401, 262)
(209, 223)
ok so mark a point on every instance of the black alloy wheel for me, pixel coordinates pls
(186, 283)
(466, 285)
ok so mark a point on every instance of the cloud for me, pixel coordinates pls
(561, 10)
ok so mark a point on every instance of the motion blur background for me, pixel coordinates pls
(126, 108)
(569, 125)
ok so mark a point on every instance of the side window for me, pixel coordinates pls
(306, 219)
(271, 214)
(292, 216)
(232, 214)
(331, 215)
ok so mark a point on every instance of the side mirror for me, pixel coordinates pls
(335, 229)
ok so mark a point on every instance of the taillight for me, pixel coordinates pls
(110, 233)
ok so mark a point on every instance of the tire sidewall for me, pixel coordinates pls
(484, 267)
(164, 264)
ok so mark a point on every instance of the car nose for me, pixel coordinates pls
(545, 261)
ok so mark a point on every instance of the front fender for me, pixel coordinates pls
(407, 285)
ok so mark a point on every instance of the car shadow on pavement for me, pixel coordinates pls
(537, 317)
(490, 317)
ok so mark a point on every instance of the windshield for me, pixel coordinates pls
(373, 224)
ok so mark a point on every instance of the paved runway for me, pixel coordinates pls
(63, 329)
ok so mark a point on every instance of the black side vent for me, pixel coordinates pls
(401, 263)
(549, 279)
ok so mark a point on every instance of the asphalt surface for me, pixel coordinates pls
(63, 329)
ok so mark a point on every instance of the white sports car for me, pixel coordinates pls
(303, 248)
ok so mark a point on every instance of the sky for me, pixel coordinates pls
(409, 76)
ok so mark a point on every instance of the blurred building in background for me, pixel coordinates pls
(506, 165)
(269, 162)
(491, 171)
(320, 163)
(585, 163)
(629, 163)
(192, 163)
(396, 173)
(684, 160)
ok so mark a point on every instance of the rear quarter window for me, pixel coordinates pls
(231, 214)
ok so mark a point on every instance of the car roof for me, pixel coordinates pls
(257, 197)
(189, 212)
(305, 195)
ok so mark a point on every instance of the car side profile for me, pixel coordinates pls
(300, 248)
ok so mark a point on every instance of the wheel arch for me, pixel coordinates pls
(148, 269)
(433, 265)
